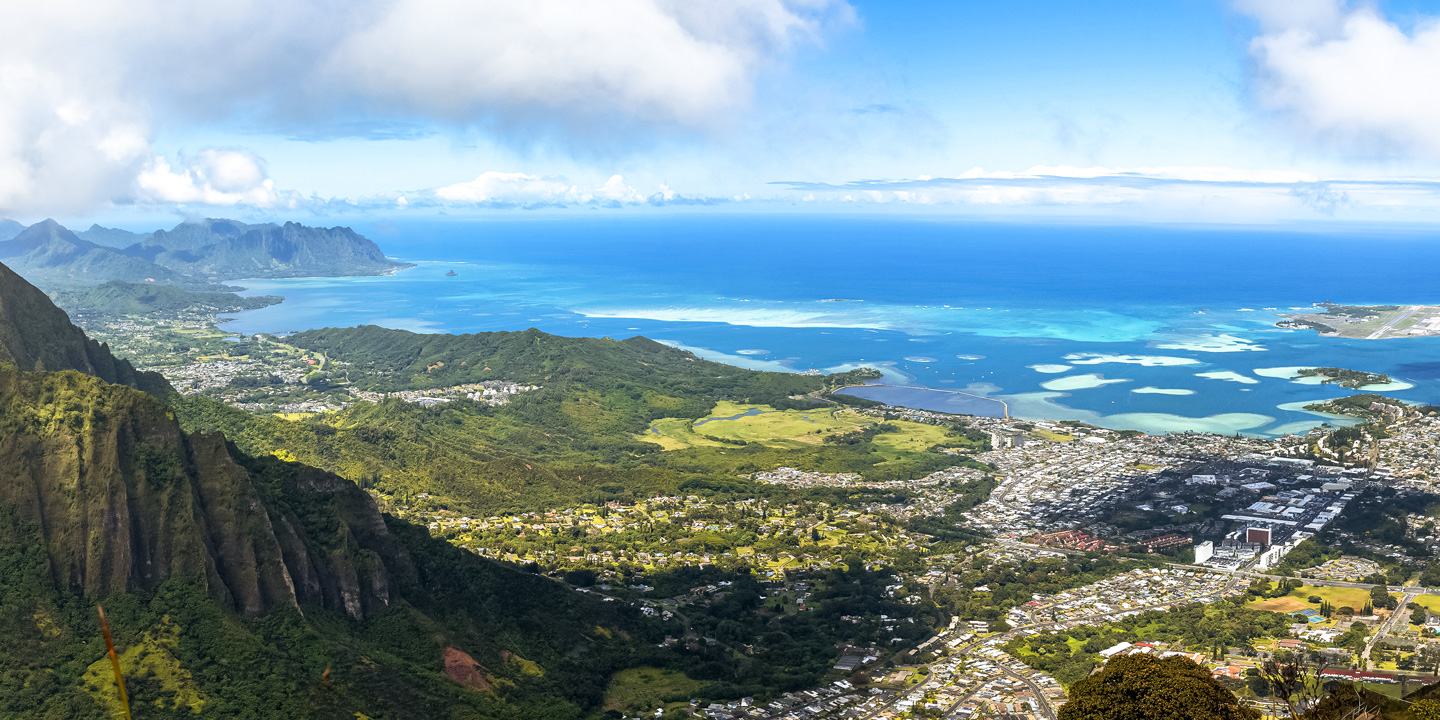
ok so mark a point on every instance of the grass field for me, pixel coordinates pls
(1296, 600)
(778, 427)
(764, 425)
(1053, 436)
(755, 424)
(675, 434)
(1429, 602)
(913, 438)
(644, 689)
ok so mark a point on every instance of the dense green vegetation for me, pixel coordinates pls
(48, 254)
(580, 438)
(483, 459)
(1307, 554)
(1352, 379)
(1357, 310)
(1072, 654)
(117, 298)
(1143, 687)
(652, 373)
(372, 605)
(36, 335)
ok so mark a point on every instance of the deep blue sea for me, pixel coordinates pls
(1151, 328)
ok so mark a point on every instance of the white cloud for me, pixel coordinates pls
(570, 62)
(513, 188)
(81, 81)
(215, 177)
(1322, 16)
(61, 146)
(1208, 194)
(1349, 75)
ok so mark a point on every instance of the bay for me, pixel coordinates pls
(1155, 328)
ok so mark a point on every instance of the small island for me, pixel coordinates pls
(1367, 322)
(1351, 379)
(451, 273)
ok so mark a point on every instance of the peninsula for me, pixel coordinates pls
(1367, 322)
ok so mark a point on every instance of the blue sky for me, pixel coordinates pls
(1229, 111)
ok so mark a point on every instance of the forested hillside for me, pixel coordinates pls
(254, 588)
(582, 437)
(117, 299)
(36, 335)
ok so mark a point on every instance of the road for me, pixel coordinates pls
(1385, 628)
(1393, 322)
(1043, 702)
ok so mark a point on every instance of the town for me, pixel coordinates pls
(1052, 534)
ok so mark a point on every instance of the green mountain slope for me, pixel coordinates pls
(118, 298)
(582, 437)
(126, 500)
(245, 587)
(229, 249)
(36, 335)
(48, 254)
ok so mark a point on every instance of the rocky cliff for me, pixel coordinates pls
(123, 499)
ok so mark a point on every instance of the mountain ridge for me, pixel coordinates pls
(219, 249)
(37, 335)
(193, 253)
(48, 253)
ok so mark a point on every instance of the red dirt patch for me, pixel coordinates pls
(462, 669)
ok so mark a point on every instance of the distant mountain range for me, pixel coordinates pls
(113, 237)
(193, 253)
(9, 229)
(48, 254)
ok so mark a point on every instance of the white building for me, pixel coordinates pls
(1204, 551)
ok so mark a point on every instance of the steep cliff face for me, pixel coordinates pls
(36, 335)
(124, 499)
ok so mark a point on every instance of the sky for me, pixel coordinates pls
(1194, 111)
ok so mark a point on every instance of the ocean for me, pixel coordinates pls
(1153, 328)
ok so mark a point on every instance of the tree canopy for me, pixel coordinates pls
(1144, 687)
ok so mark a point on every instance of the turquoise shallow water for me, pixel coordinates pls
(1158, 329)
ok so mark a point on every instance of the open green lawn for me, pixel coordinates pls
(778, 428)
(764, 425)
(1053, 436)
(646, 688)
(1297, 599)
(1429, 602)
(675, 434)
(913, 438)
